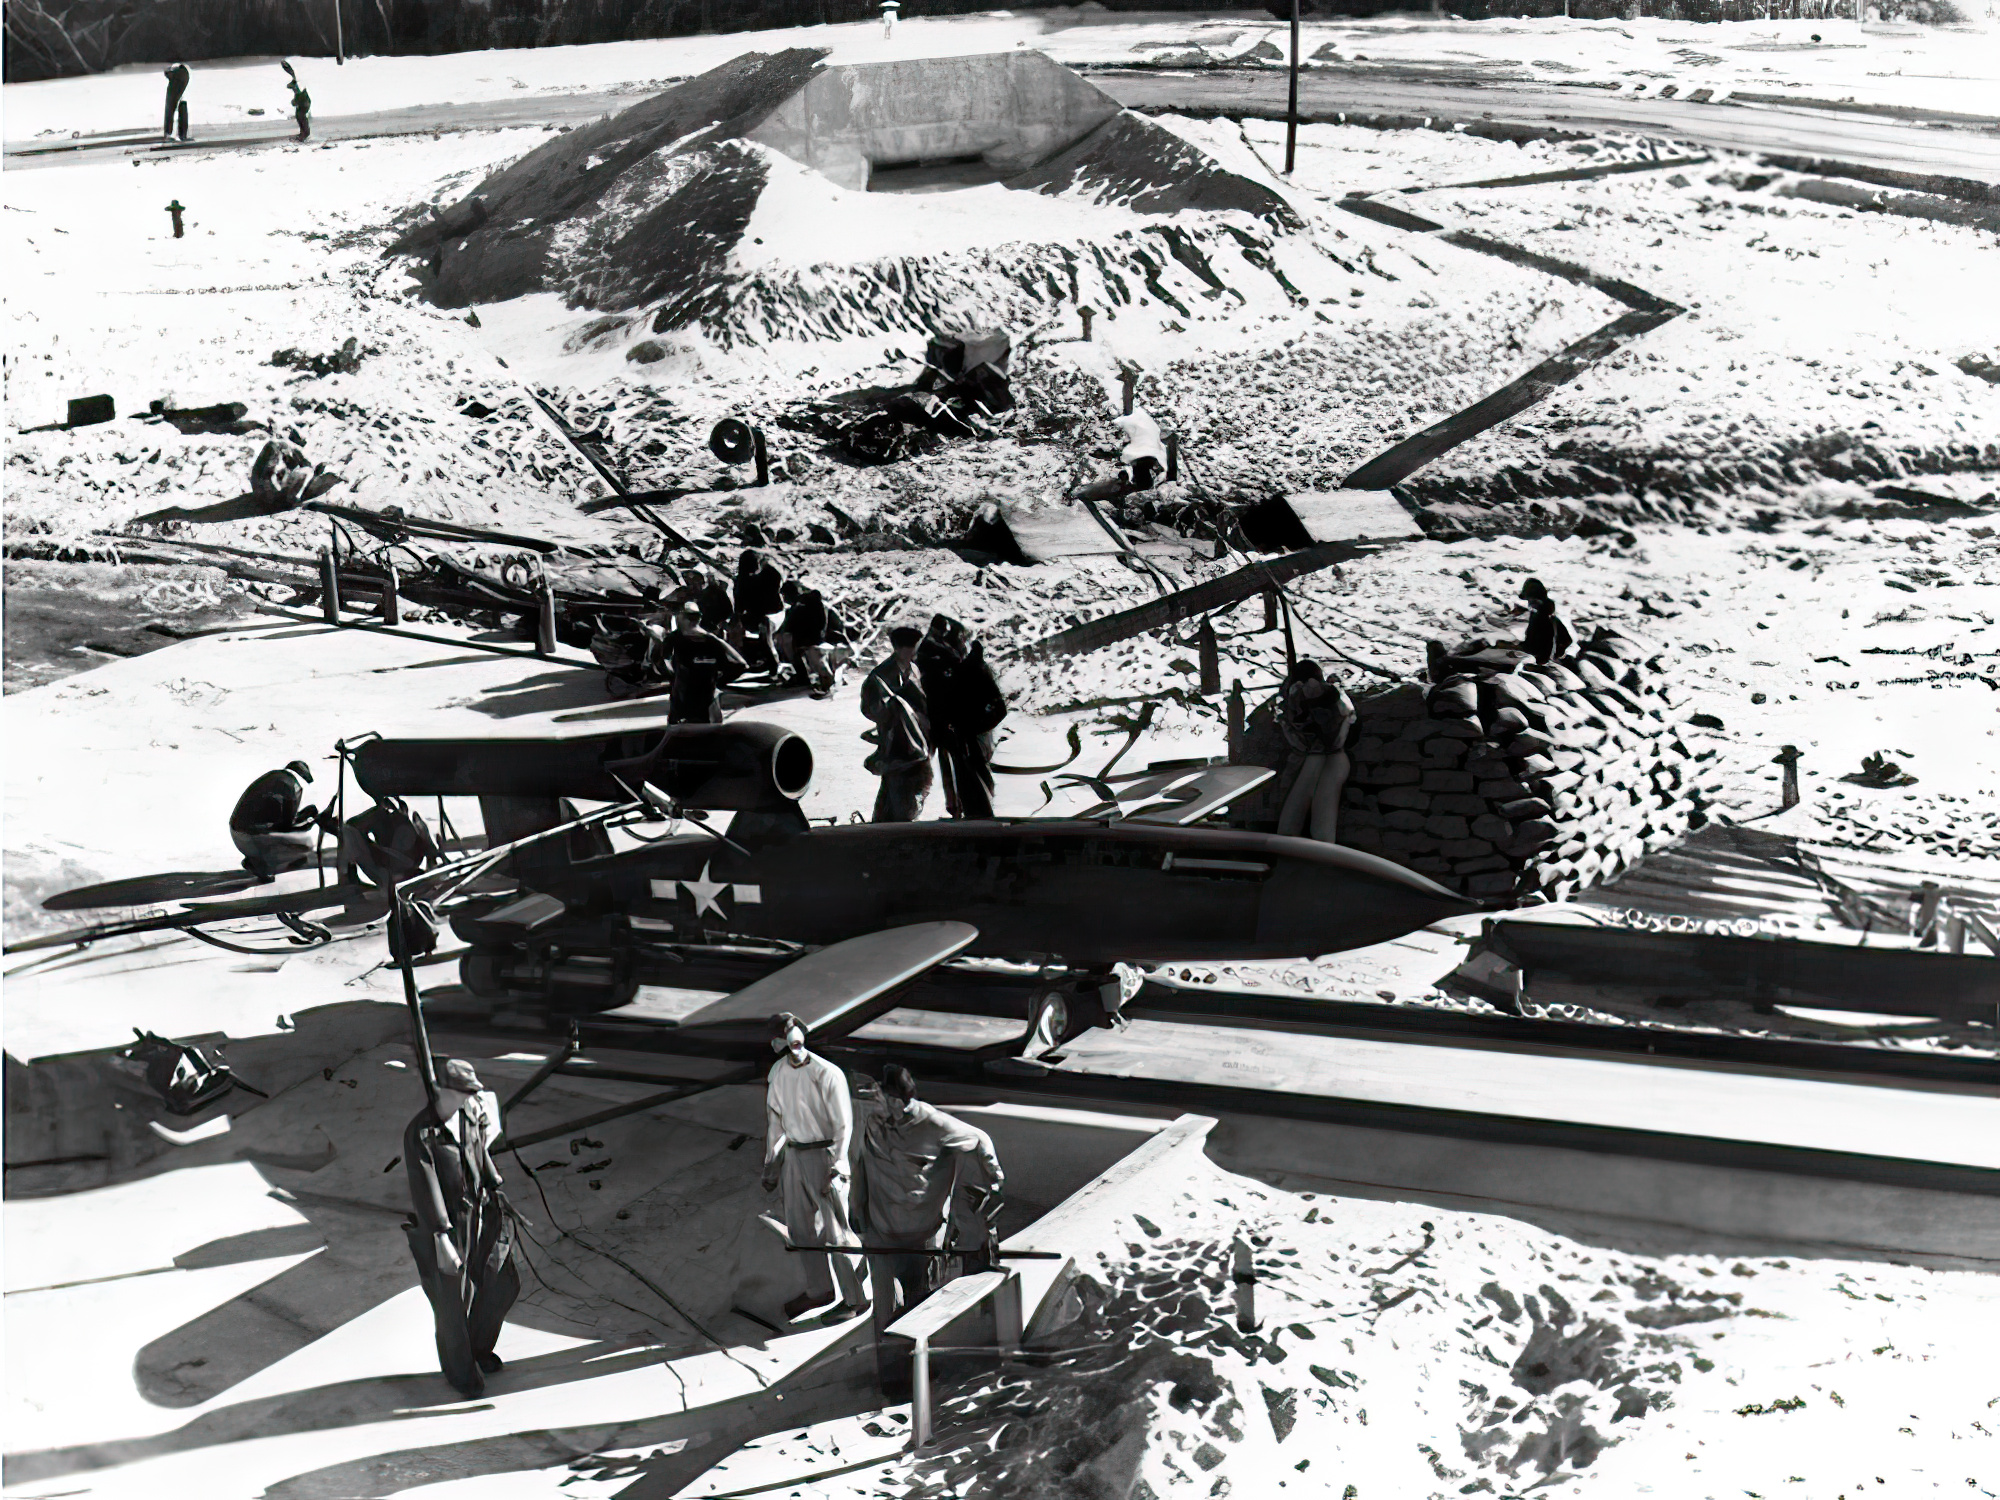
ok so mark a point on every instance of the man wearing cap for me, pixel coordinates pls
(460, 1231)
(270, 828)
(810, 1121)
(913, 1157)
(703, 664)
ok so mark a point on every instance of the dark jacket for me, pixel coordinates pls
(964, 697)
(451, 1184)
(888, 681)
(1321, 723)
(760, 592)
(271, 805)
(717, 609)
(805, 621)
(1549, 637)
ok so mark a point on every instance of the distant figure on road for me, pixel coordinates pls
(460, 1231)
(809, 1123)
(703, 665)
(1319, 721)
(302, 102)
(1549, 637)
(269, 826)
(911, 1159)
(894, 702)
(177, 84)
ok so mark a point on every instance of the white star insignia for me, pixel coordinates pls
(705, 892)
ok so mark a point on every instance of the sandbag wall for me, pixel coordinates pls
(1534, 782)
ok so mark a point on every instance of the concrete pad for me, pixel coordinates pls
(1014, 110)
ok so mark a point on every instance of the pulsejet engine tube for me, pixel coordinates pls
(722, 767)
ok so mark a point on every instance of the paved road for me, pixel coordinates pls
(1832, 134)
(1795, 130)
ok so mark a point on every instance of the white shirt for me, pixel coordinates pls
(808, 1103)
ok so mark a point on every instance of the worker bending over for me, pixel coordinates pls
(810, 1123)
(913, 1156)
(269, 826)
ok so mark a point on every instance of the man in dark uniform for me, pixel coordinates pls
(912, 1158)
(717, 609)
(893, 701)
(966, 706)
(177, 83)
(802, 638)
(759, 595)
(460, 1231)
(1549, 637)
(269, 827)
(703, 664)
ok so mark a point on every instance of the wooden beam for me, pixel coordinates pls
(1201, 599)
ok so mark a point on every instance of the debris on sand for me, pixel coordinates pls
(343, 361)
(1877, 770)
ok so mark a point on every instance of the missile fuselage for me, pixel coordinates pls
(1086, 894)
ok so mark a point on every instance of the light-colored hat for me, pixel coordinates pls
(457, 1075)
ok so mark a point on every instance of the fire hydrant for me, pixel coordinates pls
(176, 210)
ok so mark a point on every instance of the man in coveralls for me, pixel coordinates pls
(461, 1232)
(912, 1157)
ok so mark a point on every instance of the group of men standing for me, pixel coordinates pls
(915, 1173)
(933, 694)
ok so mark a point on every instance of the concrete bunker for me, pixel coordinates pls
(937, 122)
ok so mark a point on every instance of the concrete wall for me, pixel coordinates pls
(1012, 109)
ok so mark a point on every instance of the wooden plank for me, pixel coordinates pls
(1200, 599)
(948, 1302)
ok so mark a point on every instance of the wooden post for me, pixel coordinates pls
(1244, 1274)
(1788, 757)
(329, 586)
(392, 604)
(545, 620)
(1927, 911)
(920, 1395)
(1292, 108)
(1129, 376)
(1211, 658)
(1236, 722)
(1086, 314)
(762, 455)
(1270, 609)
(1173, 456)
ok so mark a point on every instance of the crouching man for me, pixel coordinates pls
(912, 1157)
(270, 827)
(461, 1232)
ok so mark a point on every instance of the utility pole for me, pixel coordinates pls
(339, 47)
(1292, 110)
